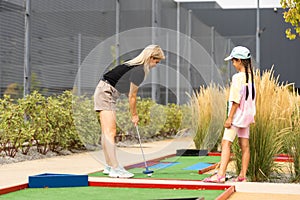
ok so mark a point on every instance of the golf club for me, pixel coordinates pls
(147, 171)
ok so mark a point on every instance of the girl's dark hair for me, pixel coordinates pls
(247, 64)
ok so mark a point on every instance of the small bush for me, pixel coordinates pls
(155, 120)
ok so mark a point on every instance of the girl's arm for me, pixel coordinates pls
(233, 109)
(132, 103)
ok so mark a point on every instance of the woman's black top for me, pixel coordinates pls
(121, 76)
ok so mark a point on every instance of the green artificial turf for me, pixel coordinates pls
(175, 171)
(190, 160)
(96, 193)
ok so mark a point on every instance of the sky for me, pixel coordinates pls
(241, 3)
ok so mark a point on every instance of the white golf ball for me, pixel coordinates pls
(149, 174)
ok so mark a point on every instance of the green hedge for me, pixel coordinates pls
(156, 121)
(69, 122)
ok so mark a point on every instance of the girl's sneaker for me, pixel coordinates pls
(106, 169)
(120, 172)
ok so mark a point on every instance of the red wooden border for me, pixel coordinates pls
(13, 188)
(228, 192)
(277, 158)
(152, 160)
(214, 154)
(159, 185)
(202, 171)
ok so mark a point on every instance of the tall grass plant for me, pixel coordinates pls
(209, 112)
(276, 129)
(274, 108)
(292, 143)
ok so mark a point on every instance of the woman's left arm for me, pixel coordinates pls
(132, 103)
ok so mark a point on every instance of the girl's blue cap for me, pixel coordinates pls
(239, 52)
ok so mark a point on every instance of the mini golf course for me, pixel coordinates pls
(96, 193)
(174, 177)
(173, 167)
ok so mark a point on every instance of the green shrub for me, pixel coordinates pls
(69, 122)
(13, 127)
(37, 120)
(86, 120)
(155, 120)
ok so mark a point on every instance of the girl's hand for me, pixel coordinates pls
(228, 123)
(135, 119)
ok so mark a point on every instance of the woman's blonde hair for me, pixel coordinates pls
(144, 57)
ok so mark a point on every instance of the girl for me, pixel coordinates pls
(241, 113)
(124, 78)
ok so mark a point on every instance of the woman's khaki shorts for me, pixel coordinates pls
(105, 97)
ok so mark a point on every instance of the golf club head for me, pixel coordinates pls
(147, 171)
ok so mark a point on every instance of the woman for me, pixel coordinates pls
(124, 78)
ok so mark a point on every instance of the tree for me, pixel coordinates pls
(292, 16)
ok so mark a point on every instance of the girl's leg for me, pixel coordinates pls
(228, 137)
(108, 126)
(244, 144)
(225, 157)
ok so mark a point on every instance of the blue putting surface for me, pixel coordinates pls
(142, 164)
(198, 166)
(163, 165)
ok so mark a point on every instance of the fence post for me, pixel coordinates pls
(27, 49)
(155, 91)
(117, 32)
(178, 57)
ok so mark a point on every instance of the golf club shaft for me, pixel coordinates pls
(138, 133)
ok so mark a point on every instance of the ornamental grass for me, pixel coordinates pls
(209, 112)
(276, 129)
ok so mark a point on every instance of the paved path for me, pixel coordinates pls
(84, 163)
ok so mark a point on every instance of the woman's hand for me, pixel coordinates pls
(135, 119)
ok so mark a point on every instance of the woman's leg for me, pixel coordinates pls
(244, 144)
(102, 142)
(108, 126)
(104, 148)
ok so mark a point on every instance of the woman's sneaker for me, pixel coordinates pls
(120, 172)
(106, 170)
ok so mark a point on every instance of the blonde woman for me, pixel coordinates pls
(124, 78)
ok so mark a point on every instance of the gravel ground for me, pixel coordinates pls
(33, 154)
